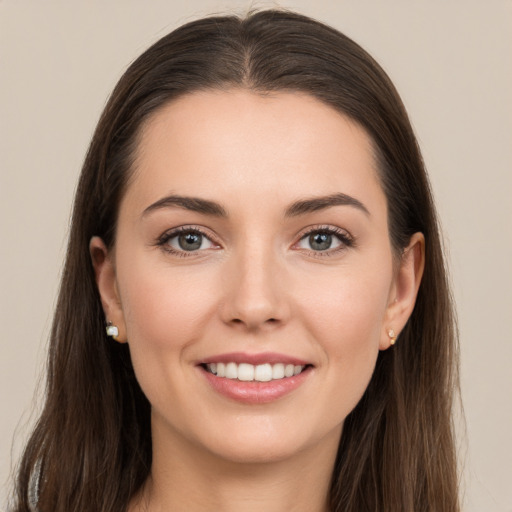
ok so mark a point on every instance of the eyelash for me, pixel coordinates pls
(345, 239)
(163, 240)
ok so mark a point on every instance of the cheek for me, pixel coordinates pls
(166, 312)
(164, 309)
(346, 319)
(348, 308)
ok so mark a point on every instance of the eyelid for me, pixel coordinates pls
(163, 239)
(345, 238)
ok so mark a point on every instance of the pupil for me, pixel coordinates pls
(320, 241)
(190, 241)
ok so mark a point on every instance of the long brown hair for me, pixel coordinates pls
(91, 448)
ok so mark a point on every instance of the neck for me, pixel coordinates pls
(184, 478)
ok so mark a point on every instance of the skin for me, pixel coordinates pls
(257, 284)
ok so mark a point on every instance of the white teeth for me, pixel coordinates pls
(231, 371)
(221, 369)
(245, 372)
(278, 371)
(263, 373)
(248, 372)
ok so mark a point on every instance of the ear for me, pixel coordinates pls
(104, 270)
(404, 289)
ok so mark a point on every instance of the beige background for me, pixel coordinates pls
(449, 59)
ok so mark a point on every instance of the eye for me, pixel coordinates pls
(185, 240)
(320, 241)
(327, 240)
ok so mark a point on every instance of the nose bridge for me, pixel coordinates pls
(256, 296)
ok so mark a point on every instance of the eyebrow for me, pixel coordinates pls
(193, 204)
(320, 203)
(301, 207)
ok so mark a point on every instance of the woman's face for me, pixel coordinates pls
(252, 236)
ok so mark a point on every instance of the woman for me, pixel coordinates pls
(254, 311)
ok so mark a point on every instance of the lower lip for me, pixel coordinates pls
(255, 392)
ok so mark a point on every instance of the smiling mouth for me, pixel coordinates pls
(246, 372)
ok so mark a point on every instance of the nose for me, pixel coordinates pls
(255, 293)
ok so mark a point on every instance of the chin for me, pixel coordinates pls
(255, 453)
(267, 444)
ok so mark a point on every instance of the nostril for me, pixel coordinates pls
(238, 321)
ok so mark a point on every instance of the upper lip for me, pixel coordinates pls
(254, 359)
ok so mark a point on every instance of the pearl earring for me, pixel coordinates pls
(112, 330)
(392, 337)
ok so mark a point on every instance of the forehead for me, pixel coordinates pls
(278, 144)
